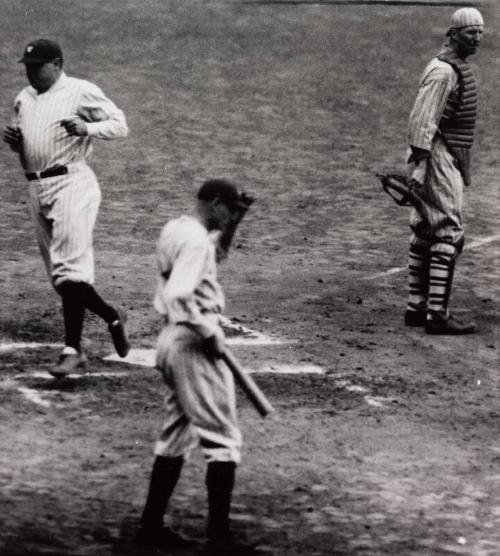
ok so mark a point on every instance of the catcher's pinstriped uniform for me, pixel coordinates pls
(200, 402)
(440, 134)
(55, 119)
(65, 207)
(444, 184)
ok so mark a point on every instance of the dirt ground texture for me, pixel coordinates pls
(393, 450)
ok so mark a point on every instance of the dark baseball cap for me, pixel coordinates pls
(220, 189)
(41, 51)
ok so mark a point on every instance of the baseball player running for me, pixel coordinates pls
(200, 399)
(55, 118)
(441, 133)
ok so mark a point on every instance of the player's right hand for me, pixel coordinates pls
(214, 345)
(13, 137)
(75, 127)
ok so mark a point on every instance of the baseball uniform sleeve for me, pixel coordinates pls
(429, 105)
(178, 292)
(104, 119)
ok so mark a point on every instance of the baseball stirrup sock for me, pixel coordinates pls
(418, 269)
(95, 303)
(440, 277)
(73, 305)
(220, 484)
(164, 477)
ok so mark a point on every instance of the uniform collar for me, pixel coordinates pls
(59, 84)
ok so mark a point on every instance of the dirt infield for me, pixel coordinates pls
(393, 450)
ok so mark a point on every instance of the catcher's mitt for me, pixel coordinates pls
(405, 191)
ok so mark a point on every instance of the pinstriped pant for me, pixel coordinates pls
(200, 402)
(440, 221)
(64, 210)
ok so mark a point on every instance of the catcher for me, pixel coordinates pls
(441, 134)
(200, 399)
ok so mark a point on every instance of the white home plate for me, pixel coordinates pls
(146, 358)
(247, 336)
(142, 357)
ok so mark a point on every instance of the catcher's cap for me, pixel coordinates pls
(219, 189)
(40, 51)
(465, 17)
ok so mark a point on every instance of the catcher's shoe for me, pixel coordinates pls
(68, 363)
(449, 326)
(162, 537)
(415, 318)
(119, 334)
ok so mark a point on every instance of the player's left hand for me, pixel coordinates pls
(75, 126)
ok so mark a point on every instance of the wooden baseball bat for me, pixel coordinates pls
(248, 385)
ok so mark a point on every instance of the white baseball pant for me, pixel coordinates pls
(441, 221)
(64, 210)
(200, 403)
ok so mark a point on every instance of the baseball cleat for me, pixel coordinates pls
(415, 318)
(448, 326)
(68, 363)
(119, 334)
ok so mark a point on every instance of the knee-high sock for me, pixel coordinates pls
(440, 282)
(418, 279)
(164, 477)
(73, 305)
(95, 303)
(220, 483)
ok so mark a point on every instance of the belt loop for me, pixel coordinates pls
(38, 175)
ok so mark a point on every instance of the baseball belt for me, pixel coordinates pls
(50, 173)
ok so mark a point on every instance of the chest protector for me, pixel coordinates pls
(457, 129)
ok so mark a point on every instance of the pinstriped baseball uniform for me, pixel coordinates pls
(64, 208)
(441, 223)
(200, 402)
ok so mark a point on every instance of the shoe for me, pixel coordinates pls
(162, 537)
(68, 363)
(439, 325)
(119, 335)
(415, 318)
(230, 547)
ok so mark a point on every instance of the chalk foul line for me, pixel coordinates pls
(468, 247)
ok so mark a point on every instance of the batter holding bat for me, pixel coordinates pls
(200, 399)
(55, 119)
(441, 134)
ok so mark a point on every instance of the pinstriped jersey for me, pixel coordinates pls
(436, 98)
(188, 290)
(45, 142)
